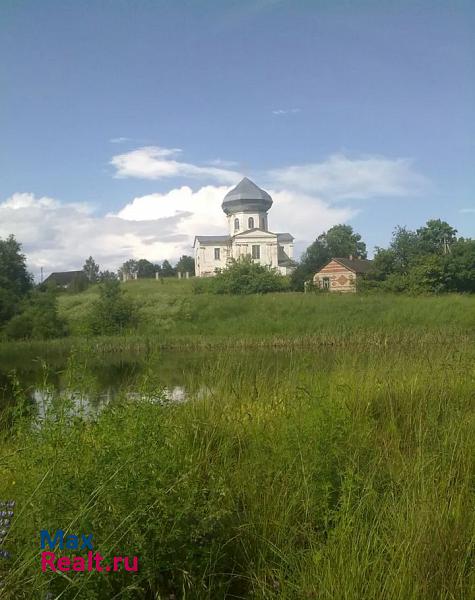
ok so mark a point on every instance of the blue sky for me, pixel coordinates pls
(362, 112)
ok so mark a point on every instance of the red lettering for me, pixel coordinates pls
(98, 559)
(135, 564)
(64, 563)
(47, 560)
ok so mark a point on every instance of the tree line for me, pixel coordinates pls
(431, 259)
(140, 269)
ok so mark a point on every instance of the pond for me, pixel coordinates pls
(91, 382)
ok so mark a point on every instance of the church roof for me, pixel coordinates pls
(212, 239)
(246, 196)
(285, 237)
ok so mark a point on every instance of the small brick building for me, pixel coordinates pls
(341, 274)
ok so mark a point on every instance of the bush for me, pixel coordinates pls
(244, 276)
(38, 319)
(113, 312)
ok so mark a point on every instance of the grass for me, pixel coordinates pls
(337, 475)
(327, 451)
(171, 316)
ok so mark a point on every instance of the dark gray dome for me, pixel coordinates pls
(246, 197)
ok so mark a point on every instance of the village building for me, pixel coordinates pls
(64, 279)
(342, 274)
(246, 207)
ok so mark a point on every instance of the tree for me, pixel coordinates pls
(244, 276)
(145, 269)
(15, 281)
(107, 276)
(91, 269)
(460, 266)
(128, 269)
(186, 264)
(339, 241)
(167, 269)
(13, 272)
(38, 318)
(435, 236)
(428, 260)
(113, 312)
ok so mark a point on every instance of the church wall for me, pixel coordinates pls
(244, 221)
(268, 248)
(205, 262)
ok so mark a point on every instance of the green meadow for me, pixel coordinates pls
(326, 449)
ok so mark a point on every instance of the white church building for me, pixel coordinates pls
(246, 207)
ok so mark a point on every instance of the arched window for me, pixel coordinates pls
(263, 223)
(250, 223)
(236, 224)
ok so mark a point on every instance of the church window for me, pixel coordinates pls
(263, 223)
(256, 252)
(250, 223)
(236, 224)
(217, 253)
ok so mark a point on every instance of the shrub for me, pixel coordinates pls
(38, 319)
(244, 276)
(113, 312)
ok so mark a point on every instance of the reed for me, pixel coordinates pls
(337, 471)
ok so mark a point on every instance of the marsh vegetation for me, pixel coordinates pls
(337, 462)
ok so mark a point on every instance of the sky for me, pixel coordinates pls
(124, 123)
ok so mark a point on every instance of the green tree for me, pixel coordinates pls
(107, 276)
(167, 270)
(15, 281)
(186, 264)
(145, 269)
(38, 318)
(339, 241)
(460, 266)
(91, 269)
(436, 236)
(244, 276)
(129, 269)
(113, 312)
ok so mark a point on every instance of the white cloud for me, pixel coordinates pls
(342, 178)
(467, 210)
(119, 140)
(286, 111)
(300, 214)
(60, 236)
(219, 162)
(154, 162)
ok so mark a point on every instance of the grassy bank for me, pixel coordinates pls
(171, 316)
(342, 475)
(172, 308)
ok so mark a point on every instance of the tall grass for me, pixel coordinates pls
(170, 316)
(339, 475)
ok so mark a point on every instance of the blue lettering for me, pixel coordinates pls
(57, 539)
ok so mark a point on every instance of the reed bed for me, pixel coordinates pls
(333, 471)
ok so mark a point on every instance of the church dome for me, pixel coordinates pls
(246, 197)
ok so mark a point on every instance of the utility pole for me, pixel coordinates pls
(447, 249)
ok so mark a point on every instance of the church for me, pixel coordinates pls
(246, 207)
